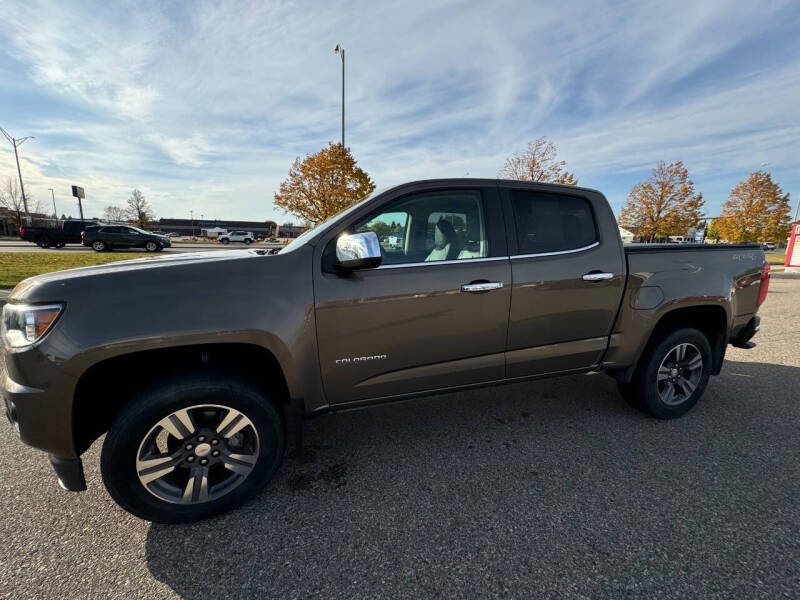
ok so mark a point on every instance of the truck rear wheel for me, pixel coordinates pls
(191, 448)
(43, 242)
(671, 376)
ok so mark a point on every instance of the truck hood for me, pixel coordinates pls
(156, 269)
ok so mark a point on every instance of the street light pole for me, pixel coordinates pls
(340, 50)
(191, 213)
(17, 143)
(55, 212)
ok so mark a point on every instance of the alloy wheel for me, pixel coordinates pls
(679, 374)
(197, 454)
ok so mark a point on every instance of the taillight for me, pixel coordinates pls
(22, 231)
(83, 235)
(762, 294)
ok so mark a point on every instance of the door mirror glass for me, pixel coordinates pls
(358, 250)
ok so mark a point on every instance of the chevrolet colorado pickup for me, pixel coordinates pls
(485, 282)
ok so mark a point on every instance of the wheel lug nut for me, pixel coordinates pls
(204, 461)
(189, 446)
(214, 442)
(201, 438)
(190, 459)
(215, 453)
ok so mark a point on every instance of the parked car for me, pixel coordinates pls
(45, 237)
(769, 246)
(497, 281)
(111, 237)
(246, 237)
(173, 234)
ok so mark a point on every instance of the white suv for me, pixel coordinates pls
(237, 236)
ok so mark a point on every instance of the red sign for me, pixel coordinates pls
(793, 251)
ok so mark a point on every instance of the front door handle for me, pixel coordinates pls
(597, 276)
(483, 286)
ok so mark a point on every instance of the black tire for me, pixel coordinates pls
(225, 241)
(139, 417)
(60, 245)
(99, 246)
(647, 393)
(248, 241)
(43, 242)
(151, 246)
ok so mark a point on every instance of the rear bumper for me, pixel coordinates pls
(742, 340)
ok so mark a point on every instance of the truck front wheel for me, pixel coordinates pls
(192, 448)
(672, 374)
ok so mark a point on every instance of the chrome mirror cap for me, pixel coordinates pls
(358, 250)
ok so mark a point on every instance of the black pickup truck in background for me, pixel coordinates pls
(45, 237)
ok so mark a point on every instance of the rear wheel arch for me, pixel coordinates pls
(710, 319)
(103, 389)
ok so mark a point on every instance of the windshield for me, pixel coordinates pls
(302, 239)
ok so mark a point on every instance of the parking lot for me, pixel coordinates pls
(548, 488)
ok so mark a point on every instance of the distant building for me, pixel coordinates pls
(195, 227)
(627, 236)
(289, 231)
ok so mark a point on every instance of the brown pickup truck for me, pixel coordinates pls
(429, 286)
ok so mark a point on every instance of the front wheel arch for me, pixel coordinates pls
(93, 410)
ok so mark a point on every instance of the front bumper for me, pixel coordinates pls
(25, 409)
(69, 472)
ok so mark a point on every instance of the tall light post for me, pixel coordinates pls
(340, 51)
(17, 143)
(191, 214)
(55, 212)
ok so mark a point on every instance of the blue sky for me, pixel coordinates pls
(204, 105)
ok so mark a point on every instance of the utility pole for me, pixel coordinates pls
(17, 143)
(191, 214)
(55, 212)
(340, 50)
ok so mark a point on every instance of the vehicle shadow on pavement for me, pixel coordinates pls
(554, 487)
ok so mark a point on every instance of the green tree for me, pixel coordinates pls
(712, 232)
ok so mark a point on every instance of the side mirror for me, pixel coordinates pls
(358, 250)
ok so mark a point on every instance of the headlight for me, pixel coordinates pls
(25, 324)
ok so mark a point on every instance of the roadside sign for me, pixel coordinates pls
(78, 193)
(793, 251)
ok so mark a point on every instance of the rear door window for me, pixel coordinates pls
(547, 222)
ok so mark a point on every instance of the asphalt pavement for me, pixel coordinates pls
(553, 488)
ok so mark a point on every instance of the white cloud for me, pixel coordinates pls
(205, 105)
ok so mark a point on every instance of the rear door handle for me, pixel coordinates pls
(483, 286)
(597, 276)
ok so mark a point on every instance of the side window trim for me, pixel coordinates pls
(557, 252)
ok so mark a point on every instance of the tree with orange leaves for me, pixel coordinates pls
(757, 210)
(323, 184)
(537, 162)
(663, 205)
